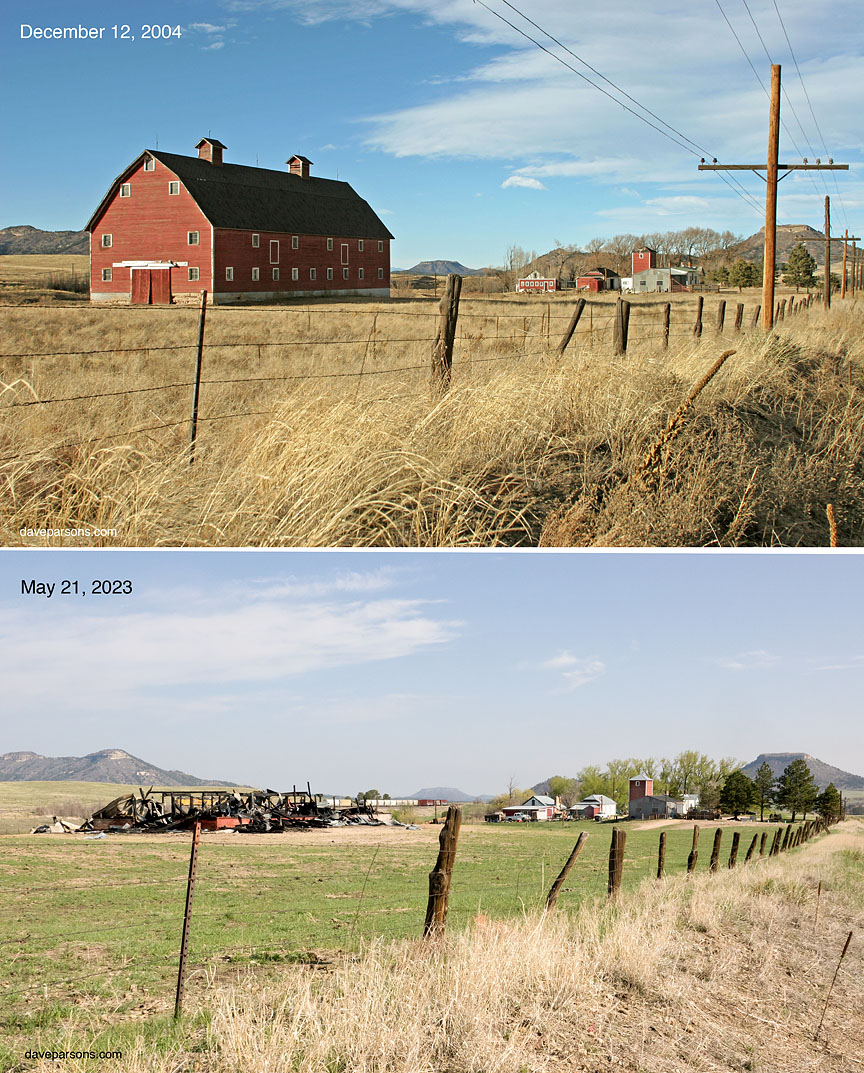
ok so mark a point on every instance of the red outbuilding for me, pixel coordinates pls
(173, 226)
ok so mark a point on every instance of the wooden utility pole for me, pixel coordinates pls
(827, 290)
(845, 242)
(772, 169)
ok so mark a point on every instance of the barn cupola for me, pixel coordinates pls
(299, 165)
(210, 149)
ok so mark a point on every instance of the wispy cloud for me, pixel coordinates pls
(855, 663)
(575, 671)
(754, 660)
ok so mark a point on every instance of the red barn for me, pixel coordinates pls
(172, 226)
(644, 259)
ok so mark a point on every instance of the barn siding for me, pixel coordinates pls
(151, 224)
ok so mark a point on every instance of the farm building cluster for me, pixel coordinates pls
(645, 278)
(643, 804)
(171, 227)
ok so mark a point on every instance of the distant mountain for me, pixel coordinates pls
(449, 793)
(788, 235)
(107, 765)
(821, 772)
(442, 268)
(25, 239)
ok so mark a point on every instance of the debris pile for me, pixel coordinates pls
(249, 812)
(56, 827)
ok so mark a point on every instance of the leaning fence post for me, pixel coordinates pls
(193, 425)
(733, 855)
(694, 851)
(721, 314)
(661, 855)
(571, 327)
(756, 316)
(187, 916)
(762, 842)
(439, 878)
(616, 861)
(751, 849)
(555, 889)
(667, 316)
(739, 316)
(697, 327)
(442, 348)
(785, 845)
(775, 845)
(715, 850)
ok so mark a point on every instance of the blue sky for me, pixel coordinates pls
(406, 669)
(464, 136)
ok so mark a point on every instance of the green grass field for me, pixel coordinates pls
(98, 921)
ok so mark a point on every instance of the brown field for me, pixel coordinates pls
(317, 426)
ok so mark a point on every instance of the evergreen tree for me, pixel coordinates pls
(741, 274)
(796, 788)
(764, 783)
(737, 794)
(829, 804)
(800, 268)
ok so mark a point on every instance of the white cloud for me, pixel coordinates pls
(207, 27)
(522, 181)
(755, 660)
(575, 671)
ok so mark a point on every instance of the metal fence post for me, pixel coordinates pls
(187, 916)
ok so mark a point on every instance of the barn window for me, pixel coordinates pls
(360, 244)
(149, 164)
(295, 242)
(193, 275)
(107, 241)
(380, 246)
(256, 241)
(359, 273)
(229, 273)
(313, 274)
(344, 257)
(125, 190)
(344, 273)
(256, 274)
(192, 238)
(380, 273)
(329, 243)
(329, 273)
(275, 273)
(107, 275)
(274, 251)
(295, 273)
(173, 188)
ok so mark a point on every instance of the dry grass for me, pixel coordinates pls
(702, 974)
(525, 449)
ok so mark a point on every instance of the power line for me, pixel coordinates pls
(745, 195)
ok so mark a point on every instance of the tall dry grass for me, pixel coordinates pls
(526, 449)
(698, 974)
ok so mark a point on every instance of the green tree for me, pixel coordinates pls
(829, 804)
(796, 788)
(567, 790)
(721, 275)
(373, 795)
(800, 268)
(764, 783)
(741, 274)
(593, 780)
(737, 794)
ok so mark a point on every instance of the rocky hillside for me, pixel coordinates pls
(24, 239)
(441, 268)
(821, 772)
(107, 765)
(788, 235)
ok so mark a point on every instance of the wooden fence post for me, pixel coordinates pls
(694, 851)
(661, 855)
(439, 878)
(571, 327)
(721, 314)
(739, 316)
(697, 327)
(785, 845)
(775, 845)
(783, 309)
(442, 348)
(763, 839)
(187, 917)
(193, 424)
(733, 855)
(715, 850)
(622, 326)
(667, 317)
(616, 861)
(751, 849)
(554, 890)
(756, 316)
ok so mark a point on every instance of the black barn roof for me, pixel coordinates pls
(259, 199)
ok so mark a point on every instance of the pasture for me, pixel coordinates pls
(317, 427)
(92, 926)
